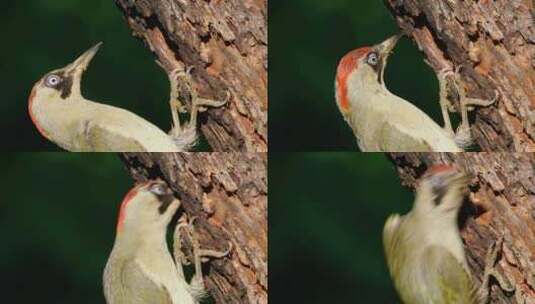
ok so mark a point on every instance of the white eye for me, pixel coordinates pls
(373, 59)
(52, 80)
(158, 189)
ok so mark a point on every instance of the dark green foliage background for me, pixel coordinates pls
(57, 225)
(40, 36)
(307, 39)
(326, 215)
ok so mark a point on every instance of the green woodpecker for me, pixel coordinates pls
(140, 268)
(423, 248)
(382, 121)
(63, 116)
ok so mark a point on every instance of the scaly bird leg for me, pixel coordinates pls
(196, 286)
(185, 136)
(492, 257)
(177, 107)
(445, 103)
(180, 258)
(199, 104)
(181, 81)
(463, 136)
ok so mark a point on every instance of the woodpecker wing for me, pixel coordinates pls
(114, 129)
(140, 287)
(395, 138)
(409, 129)
(454, 282)
(100, 138)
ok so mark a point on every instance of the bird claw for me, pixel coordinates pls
(491, 259)
(463, 137)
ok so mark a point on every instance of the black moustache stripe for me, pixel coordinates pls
(440, 192)
(378, 68)
(165, 201)
(66, 87)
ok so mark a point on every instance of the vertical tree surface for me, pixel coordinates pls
(494, 42)
(501, 207)
(226, 43)
(227, 192)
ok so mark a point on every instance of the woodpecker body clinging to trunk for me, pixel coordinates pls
(424, 250)
(140, 268)
(382, 121)
(63, 116)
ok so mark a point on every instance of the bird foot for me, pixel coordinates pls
(492, 257)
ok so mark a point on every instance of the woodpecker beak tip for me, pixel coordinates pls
(83, 61)
(388, 45)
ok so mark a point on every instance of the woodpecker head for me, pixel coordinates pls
(150, 205)
(60, 85)
(441, 189)
(361, 69)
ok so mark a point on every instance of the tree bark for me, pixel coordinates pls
(494, 42)
(227, 192)
(502, 206)
(226, 43)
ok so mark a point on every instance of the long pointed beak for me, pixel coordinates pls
(80, 64)
(385, 48)
(388, 45)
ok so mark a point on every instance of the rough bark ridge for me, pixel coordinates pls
(502, 203)
(226, 43)
(228, 194)
(494, 42)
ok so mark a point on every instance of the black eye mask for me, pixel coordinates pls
(164, 194)
(378, 66)
(64, 84)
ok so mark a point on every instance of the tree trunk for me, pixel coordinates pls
(502, 206)
(227, 192)
(226, 43)
(494, 42)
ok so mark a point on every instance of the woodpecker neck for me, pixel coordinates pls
(366, 95)
(60, 121)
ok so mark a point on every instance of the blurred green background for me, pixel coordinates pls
(307, 39)
(326, 215)
(57, 225)
(40, 36)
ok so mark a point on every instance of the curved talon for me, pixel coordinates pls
(447, 71)
(458, 69)
(206, 254)
(230, 247)
(192, 219)
(189, 69)
(496, 95)
(183, 109)
(184, 222)
(227, 99)
(472, 102)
